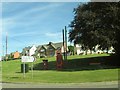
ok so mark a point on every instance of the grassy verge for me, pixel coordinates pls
(74, 71)
(64, 77)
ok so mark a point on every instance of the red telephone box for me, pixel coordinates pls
(59, 60)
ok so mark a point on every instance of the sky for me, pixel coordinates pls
(34, 23)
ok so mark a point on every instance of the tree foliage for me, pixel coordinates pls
(96, 23)
(71, 48)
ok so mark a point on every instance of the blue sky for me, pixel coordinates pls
(28, 23)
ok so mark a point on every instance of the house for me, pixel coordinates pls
(37, 53)
(16, 55)
(96, 50)
(78, 49)
(46, 50)
(49, 49)
(32, 50)
(25, 51)
(29, 51)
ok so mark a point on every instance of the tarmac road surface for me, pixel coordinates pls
(112, 84)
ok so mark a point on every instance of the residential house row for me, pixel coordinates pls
(46, 50)
(13, 55)
(49, 50)
(80, 51)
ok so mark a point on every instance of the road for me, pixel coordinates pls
(112, 84)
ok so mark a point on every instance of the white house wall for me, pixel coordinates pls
(97, 50)
(62, 49)
(32, 50)
(79, 50)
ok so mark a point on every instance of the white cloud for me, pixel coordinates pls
(23, 34)
(49, 34)
(7, 24)
(34, 25)
(10, 23)
(33, 33)
(35, 10)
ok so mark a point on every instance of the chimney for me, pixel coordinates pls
(50, 43)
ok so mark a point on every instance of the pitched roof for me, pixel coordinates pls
(57, 45)
(54, 45)
(25, 49)
(45, 46)
(50, 43)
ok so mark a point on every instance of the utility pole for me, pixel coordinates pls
(6, 45)
(65, 43)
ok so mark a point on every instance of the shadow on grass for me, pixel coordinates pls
(18, 72)
(105, 62)
(14, 77)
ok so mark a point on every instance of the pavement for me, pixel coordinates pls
(112, 84)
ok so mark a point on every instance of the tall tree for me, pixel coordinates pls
(96, 23)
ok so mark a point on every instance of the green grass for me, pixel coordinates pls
(74, 72)
(64, 77)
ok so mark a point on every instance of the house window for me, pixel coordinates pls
(51, 51)
(42, 50)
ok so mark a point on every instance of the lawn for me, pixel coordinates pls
(75, 71)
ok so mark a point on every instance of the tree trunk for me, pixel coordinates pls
(86, 51)
(90, 51)
(107, 50)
